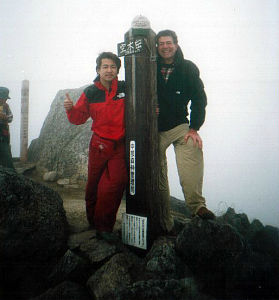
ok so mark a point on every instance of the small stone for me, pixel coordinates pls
(63, 181)
(72, 186)
(50, 176)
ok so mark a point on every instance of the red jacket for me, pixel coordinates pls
(106, 108)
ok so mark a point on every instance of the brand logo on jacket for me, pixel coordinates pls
(120, 95)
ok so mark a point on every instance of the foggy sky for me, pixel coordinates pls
(234, 43)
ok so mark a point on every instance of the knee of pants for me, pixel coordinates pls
(113, 183)
(121, 179)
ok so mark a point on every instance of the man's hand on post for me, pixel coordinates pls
(68, 102)
(157, 110)
(193, 134)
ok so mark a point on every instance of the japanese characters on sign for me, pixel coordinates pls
(132, 167)
(134, 230)
(131, 47)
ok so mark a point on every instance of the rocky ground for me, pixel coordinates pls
(73, 199)
(236, 259)
(74, 204)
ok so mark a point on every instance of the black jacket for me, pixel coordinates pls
(183, 85)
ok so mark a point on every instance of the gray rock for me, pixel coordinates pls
(61, 146)
(266, 241)
(255, 227)
(76, 239)
(211, 250)
(98, 251)
(172, 289)
(72, 186)
(261, 257)
(23, 279)
(33, 233)
(204, 243)
(239, 221)
(65, 291)
(112, 275)
(33, 221)
(63, 181)
(163, 261)
(254, 277)
(70, 267)
(24, 167)
(50, 176)
(179, 207)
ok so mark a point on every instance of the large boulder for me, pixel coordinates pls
(33, 222)
(66, 290)
(112, 275)
(226, 262)
(33, 233)
(163, 261)
(62, 146)
(70, 267)
(238, 221)
(156, 289)
(211, 250)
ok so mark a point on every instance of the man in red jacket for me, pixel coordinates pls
(103, 101)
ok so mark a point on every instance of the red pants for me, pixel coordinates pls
(107, 178)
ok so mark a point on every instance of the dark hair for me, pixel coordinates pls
(167, 32)
(108, 55)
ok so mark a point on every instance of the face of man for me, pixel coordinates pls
(167, 49)
(107, 70)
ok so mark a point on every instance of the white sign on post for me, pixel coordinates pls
(134, 230)
(131, 47)
(132, 167)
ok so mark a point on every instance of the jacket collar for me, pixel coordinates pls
(99, 85)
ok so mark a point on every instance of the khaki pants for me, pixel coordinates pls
(189, 160)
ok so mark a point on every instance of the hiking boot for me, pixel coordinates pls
(107, 236)
(205, 214)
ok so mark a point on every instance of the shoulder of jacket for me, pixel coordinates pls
(189, 67)
(91, 90)
(188, 63)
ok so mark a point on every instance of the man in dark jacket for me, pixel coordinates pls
(6, 117)
(179, 84)
(104, 102)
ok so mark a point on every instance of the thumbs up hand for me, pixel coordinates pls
(68, 102)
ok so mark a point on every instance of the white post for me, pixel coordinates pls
(24, 120)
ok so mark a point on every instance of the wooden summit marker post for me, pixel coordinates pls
(141, 223)
(24, 120)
